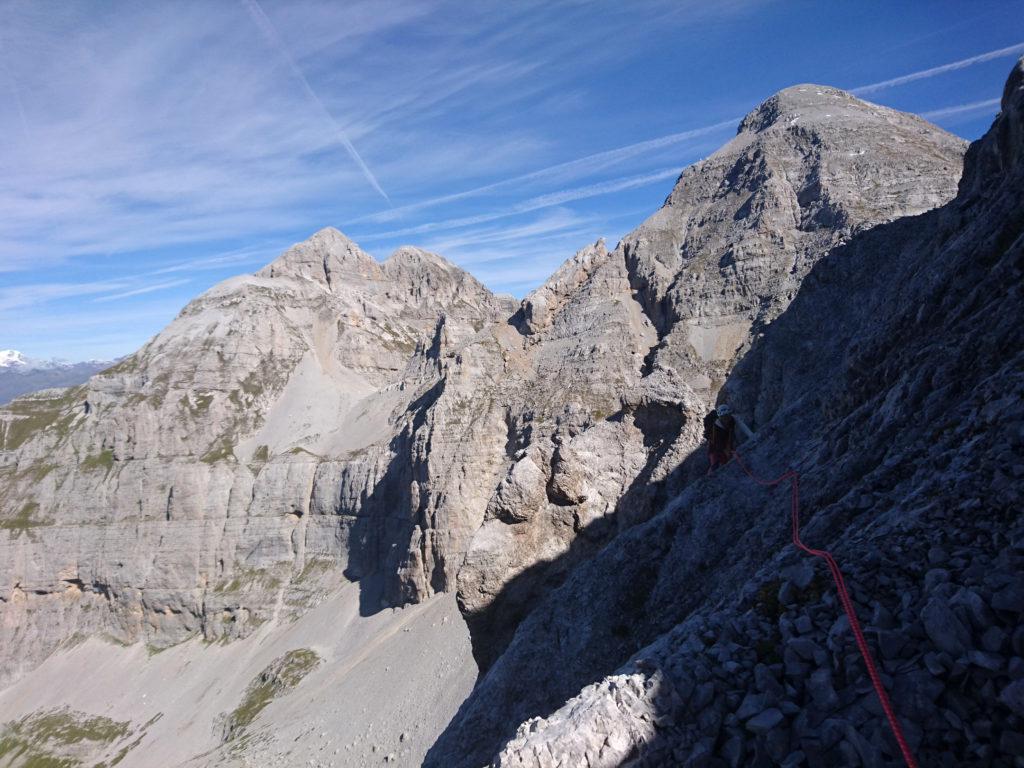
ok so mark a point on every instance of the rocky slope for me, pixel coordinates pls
(893, 384)
(397, 423)
(294, 692)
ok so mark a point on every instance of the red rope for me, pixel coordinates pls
(844, 597)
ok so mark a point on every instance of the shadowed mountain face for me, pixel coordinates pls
(397, 422)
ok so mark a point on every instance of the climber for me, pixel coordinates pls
(720, 432)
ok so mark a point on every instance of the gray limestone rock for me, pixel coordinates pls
(944, 628)
(765, 721)
(253, 437)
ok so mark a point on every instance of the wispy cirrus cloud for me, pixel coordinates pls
(556, 221)
(985, 105)
(570, 169)
(191, 132)
(535, 203)
(266, 26)
(19, 297)
(144, 290)
(942, 69)
(235, 258)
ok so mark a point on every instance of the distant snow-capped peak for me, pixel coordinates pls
(13, 360)
(12, 357)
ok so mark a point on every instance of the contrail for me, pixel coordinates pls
(270, 33)
(146, 289)
(588, 163)
(536, 203)
(923, 74)
(974, 106)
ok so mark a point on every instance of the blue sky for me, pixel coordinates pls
(152, 149)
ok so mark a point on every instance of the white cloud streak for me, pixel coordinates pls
(232, 258)
(536, 203)
(15, 92)
(999, 53)
(20, 296)
(572, 168)
(959, 109)
(559, 220)
(145, 289)
(270, 33)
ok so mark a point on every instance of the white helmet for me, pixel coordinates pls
(723, 410)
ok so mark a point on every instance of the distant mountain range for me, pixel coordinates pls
(20, 374)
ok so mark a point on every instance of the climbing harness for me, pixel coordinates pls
(844, 597)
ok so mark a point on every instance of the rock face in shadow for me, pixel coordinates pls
(893, 384)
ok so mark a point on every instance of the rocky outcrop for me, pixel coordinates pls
(701, 637)
(809, 167)
(251, 439)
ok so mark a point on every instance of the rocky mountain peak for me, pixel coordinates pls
(422, 278)
(809, 167)
(796, 101)
(412, 257)
(325, 258)
(813, 105)
(538, 309)
(409, 264)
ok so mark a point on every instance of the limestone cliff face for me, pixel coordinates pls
(237, 452)
(809, 167)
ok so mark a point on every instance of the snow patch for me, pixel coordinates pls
(12, 357)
